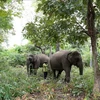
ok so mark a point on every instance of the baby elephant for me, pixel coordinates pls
(36, 61)
(30, 65)
(63, 60)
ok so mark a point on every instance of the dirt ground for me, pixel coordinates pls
(41, 96)
(47, 93)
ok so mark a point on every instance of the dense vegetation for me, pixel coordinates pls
(64, 25)
(66, 21)
(15, 83)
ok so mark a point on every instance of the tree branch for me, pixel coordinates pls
(83, 30)
(42, 49)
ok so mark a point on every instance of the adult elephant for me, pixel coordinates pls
(63, 60)
(36, 61)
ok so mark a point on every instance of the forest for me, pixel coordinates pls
(58, 25)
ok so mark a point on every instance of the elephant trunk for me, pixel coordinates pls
(81, 69)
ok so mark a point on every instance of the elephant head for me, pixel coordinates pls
(36, 61)
(30, 58)
(30, 64)
(75, 59)
(33, 59)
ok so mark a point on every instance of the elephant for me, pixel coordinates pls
(36, 61)
(30, 65)
(63, 60)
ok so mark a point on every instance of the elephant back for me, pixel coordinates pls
(43, 58)
(60, 54)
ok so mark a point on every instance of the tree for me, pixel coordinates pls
(93, 36)
(67, 19)
(67, 9)
(50, 31)
(33, 32)
(8, 9)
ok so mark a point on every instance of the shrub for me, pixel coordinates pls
(14, 82)
(16, 59)
(82, 84)
(3, 60)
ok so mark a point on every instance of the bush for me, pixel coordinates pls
(82, 84)
(16, 59)
(3, 59)
(14, 82)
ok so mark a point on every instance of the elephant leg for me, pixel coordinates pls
(31, 70)
(58, 74)
(28, 70)
(67, 75)
(54, 74)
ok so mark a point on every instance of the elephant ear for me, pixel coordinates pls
(76, 57)
(35, 58)
(30, 57)
(73, 57)
(69, 57)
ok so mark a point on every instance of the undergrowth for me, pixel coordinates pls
(14, 82)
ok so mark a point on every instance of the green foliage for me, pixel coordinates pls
(16, 59)
(97, 3)
(28, 48)
(83, 84)
(74, 18)
(16, 56)
(58, 8)
(79, 85)
(64, 21)
(50, 32)
(86, 54)
(99, 60)
(8, 9)
(11, 58)
(3, 59)
(36, 33)
(6, 24)
(5, 20)
(14, 82)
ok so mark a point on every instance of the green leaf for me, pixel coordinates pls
(85, 2)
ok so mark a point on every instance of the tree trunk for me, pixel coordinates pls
(92, 34)
(91, 59)
(96, 87)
